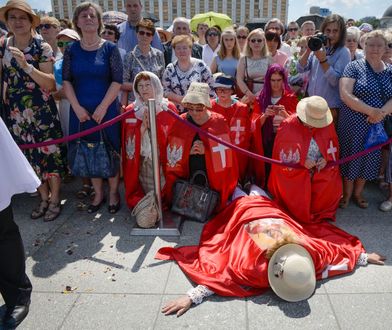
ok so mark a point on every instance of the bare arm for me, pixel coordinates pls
(110, 96)
(346, 86)
(241, 79)
(214, 66)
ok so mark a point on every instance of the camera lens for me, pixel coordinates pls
(315, 43)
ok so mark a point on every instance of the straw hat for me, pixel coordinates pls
(68, 33)
(21, 5)
(167, 34)
(198, 93)
(291, 273)
(314, 111)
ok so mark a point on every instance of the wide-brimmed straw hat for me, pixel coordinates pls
(291, 273)
(314, 111)
(198, 93)
(21, 5)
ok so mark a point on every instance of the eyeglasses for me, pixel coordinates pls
(195, 108)
(212, 34)
(350, 40)
(256, 40)
(144, 33)
(242, 37)
(293, 29)
(111, 33)
(63, 43)
(46, 26)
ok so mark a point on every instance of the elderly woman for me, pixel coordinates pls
(188, 152)
(366, 90)
(179, 75)
(142, 58)
(292, 33)
(242, 34)
(226, 60)
(352, 39)
(92, 74)
(110, 32)
(211, 48)
(309, 192)
(137, 161)
(30, 110)
(49, 28)
(273, 44)
(253, 65)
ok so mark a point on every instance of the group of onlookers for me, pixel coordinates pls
(99, 67)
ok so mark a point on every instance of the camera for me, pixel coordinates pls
(317, 41)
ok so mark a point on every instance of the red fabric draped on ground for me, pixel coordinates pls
(230, 259)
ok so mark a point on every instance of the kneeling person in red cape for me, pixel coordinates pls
(233, 256)
(308, 138)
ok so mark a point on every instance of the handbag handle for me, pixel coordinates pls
(202, 173)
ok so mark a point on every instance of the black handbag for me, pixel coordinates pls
(194, 201)
(388, 125)
(94, 159)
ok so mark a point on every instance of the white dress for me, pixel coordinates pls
(16, 174)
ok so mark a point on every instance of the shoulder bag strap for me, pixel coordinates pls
(137, 60)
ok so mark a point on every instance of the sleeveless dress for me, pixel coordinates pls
(30, 112)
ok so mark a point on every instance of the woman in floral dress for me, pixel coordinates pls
(30, 111)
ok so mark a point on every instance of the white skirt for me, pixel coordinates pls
(16, 174)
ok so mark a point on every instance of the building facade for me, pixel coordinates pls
(241, 11)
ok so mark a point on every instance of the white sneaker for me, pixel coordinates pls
(386, 206)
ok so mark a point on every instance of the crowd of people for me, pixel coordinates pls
(302, 95)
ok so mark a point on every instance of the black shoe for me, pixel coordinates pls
(15, 316)
(94, 208)
(114, 208)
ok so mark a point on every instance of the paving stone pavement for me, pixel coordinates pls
(117, 284)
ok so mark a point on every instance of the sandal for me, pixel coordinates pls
(52, 212)
(40, 210)
(85, 191)
(361, 202)
(343, 203)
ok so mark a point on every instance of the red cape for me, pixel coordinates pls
(222, 168)
(238, 118)
(131, 143)
(306, 198)
(230, 262)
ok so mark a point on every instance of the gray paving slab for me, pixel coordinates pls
(118, 284)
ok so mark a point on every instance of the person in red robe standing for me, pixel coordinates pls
(237, 115)
(253, 245)
(188, 152)
(311, 191)
(136, 144)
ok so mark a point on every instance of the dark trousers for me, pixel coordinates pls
(15, 286)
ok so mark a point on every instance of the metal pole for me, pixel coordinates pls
(155, 157)
(167, 224)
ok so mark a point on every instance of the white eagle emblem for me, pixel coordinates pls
(291, 157)
(174, 155)
(130, 147)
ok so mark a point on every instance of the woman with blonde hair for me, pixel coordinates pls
(253, 65)
(226, 60)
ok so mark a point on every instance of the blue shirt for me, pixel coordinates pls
(326, 84)
(128, 39)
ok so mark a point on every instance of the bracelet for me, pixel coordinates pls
(323, 61)
(29, 69)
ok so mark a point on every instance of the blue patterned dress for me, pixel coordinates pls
(30, 112)
(353, 127)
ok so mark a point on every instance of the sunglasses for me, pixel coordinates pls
(111, 33)
(256, 40)
(242, 37)
(144, 33)
(212, 34)
(271, 37)
(293, 29)
(46, 26)
(63, 43)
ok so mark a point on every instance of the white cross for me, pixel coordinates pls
(341, 267)
(237, 129)
(332, 150)
(222, 150)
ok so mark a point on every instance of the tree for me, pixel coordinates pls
(374, 21)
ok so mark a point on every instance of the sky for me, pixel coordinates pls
(348, 8)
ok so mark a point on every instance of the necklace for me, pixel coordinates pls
(92, 45)
(21, 48)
